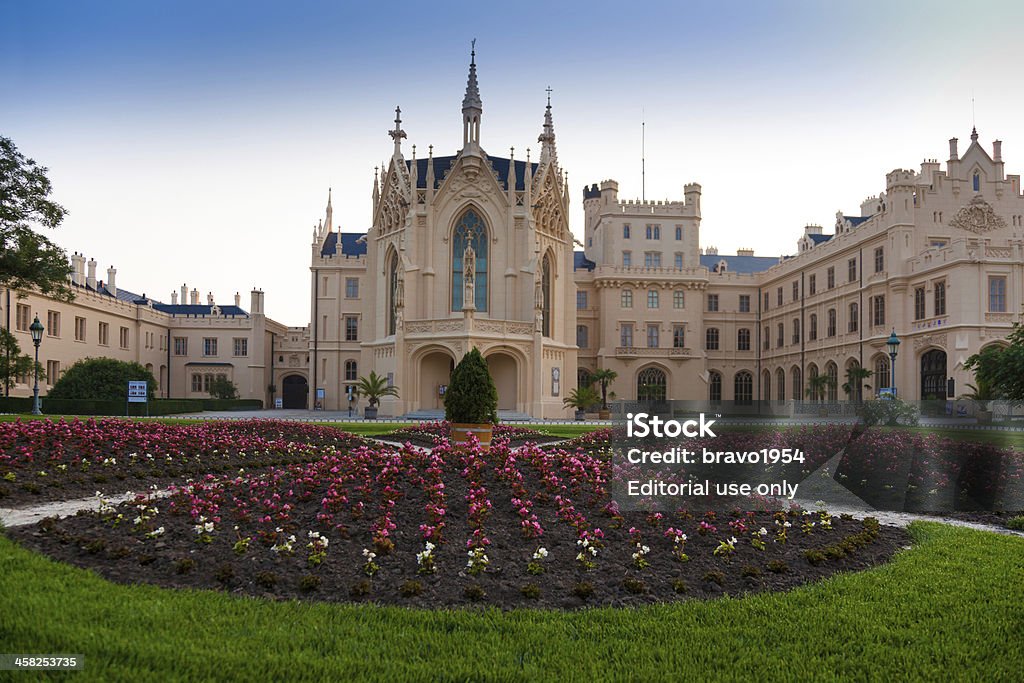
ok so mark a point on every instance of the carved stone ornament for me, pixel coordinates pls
(978, 217)
(930, 340)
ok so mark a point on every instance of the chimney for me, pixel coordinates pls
(952, 150)
(997, 150)
(78, 269)
(744, 252)
(711, 251)
(256, 305)
(209, 298)
(111, 283)
(90, 279)
(194, 298)
(174, 298)
(184, 294)
(812, 229)
(238, 300)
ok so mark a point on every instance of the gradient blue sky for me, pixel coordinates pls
(194, 142)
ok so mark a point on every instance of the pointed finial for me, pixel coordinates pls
(548, 90)
(397, 134)
(472, 53)
(974, 133)
(430, 151)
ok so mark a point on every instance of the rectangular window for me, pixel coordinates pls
(744, 303)
(351, 328)
(678, 337)
(581, 300)
(197, 383)
(743, 339)
(626, 335)
(207, 381)
(241, 345)
(851, 270)
(626, 298)
(678, 261)
(351, 288)
(853, 324)
(879, 259)
(24, 318)
(627, 259)
(997, 294)
(625, 232)
(796, 290)
(878, 310)
(778, 297)
(52, 324)
(830, 276)
(104, 334)
(919, 305)
(712, 302)
(812, 333)
(679, 233)
(652, 259)
(652, 298)
(831, 331)
(209, 346)
(52, 371)
(351, 371)
(780, 339)
(652, 336)
(940, 298)
(79, 329)
(181, 346)
(125, 339)
(766, 301)
(678, 299)
(766, 340)
(812, 283)
(711, 339)
(582, 336)
(796, 330)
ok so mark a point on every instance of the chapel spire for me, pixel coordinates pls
(472, 106)
(329, 223)
(397, 134)
(547, 137)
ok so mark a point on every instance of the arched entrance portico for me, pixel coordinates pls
(933, 375)
(505, 371)
(294, 392)
(435, 371)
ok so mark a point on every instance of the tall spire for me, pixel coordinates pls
(547, 138)
(397, 134)
(329, 223)
(472, 106)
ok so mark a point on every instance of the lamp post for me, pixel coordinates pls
(894, 347)
(37, 329)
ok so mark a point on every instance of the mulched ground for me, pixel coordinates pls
(431, 434)
(176, 560)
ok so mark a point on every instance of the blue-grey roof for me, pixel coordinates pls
(856, 220)
(351, 245)
(818, 239)
(738, 264)
(443, 164)
(198, 309)
(580, 261)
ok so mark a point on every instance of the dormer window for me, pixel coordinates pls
(722, 265)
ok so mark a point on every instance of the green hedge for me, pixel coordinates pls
(160, 406)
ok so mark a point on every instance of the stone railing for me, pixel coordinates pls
(658, 352)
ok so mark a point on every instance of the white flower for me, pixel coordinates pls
(762, 532)
(209, 527)
(732, 541)
(540, 554)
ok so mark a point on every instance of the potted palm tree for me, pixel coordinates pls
(854, 385)
(582, 399)
(816, 388)
(982, 395)
(374, 388)
(603, 377)
(471, 401)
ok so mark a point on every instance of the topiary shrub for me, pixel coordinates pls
(101, 379)
(471, 396)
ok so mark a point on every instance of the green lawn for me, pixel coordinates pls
(952, 608)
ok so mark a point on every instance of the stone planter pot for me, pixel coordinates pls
(370, 413)
(461, 432)
(604, 414)
(581, 415)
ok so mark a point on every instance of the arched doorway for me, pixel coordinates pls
(933, 375)
(505, 373)
(651, 385)
(294, 392)
(434, 373)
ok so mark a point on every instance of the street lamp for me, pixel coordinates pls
(894, 347)
(37, 329)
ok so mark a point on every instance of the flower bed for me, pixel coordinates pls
(430, 434)
(400, 526)
(45, 460)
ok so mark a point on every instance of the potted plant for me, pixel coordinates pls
(471, 401)
(582, 399)
(603, 377)
(374, 388)
(854, 385)
(816, 388)
(982, 395)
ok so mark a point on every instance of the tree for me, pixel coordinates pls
(817, 386)
(471, 397)
(582, 398)
(1000, 369)
(101, 379)
(223, 388)
(14, 363)
(603, 377)
(28, 260)
(374, 388)
(854, 384)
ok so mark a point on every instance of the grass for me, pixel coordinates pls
(950, 608)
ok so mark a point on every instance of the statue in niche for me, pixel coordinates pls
(538, 294)
(469, 277)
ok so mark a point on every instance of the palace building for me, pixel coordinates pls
(474, 250)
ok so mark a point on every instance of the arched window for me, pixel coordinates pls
(832, 370)
(797, 383)
(882, 378)
(715, 386)
(582, 336)
(812, 373)
(766, 386)
(392, 292)
(780, 384)
(583, 377)
(545, 285)
(977, 181)
(469, 231)
(812, 334)
(743, 388)
(351, 371)
(651, 385)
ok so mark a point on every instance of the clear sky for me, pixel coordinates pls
(194, 142)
